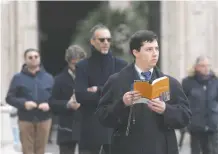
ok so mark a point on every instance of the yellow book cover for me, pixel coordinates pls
(153, 90)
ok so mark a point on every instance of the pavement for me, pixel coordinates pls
(53, 148)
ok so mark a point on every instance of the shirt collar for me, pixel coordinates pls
(139, 71)
(71, 73)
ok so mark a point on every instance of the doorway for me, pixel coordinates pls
(57, 24)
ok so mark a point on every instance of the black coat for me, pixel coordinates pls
(68, 119)
(203, 97)
(151, 133)
(94, 71)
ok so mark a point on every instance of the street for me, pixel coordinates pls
(53, 148)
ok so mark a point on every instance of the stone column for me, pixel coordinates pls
(19, 32)
(4, 49)
(27, 28)
(189, 29)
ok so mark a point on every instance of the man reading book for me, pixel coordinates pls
(142, 128)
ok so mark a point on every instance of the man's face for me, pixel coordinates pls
(72, 64)
(102, 40)
(203, 67)
(148, 55)
(32, 59)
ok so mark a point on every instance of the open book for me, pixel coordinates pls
(153, 90)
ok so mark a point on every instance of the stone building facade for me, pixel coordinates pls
(188, 29)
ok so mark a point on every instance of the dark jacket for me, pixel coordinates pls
(203, 96)
(28, 87)
(68, 119)
(94, 71)
(150, 133)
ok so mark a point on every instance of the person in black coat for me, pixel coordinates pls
(148, 126)
(63, 103)
(91, 75)
(201, 88)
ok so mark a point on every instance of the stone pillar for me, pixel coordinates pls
(4, 49)
(19, 32)
(27, 28)
(189, 29)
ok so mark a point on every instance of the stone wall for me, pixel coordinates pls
(19, 32)
(189, 29)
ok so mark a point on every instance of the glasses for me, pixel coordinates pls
(31, 57)
(103, 39)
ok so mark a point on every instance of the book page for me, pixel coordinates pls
(158, 79)
(142, 100)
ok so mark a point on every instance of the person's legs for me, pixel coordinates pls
(50, 135)
(93, 150)
(67, 147)
(106, 149)
(42, 133)
(195, 143)
(89, 151)
(204, 143)
(213, 143)
(27, 136)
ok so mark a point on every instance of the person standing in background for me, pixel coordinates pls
(29, 92)
(63, 102)
(201, 88)
(91, 75)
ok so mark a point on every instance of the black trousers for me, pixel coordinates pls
(67, 147)
(207, 143)
(104, 149)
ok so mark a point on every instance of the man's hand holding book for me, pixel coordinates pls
(154, 94)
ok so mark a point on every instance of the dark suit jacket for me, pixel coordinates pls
(151, 133)
(88, 74)
(68, 119)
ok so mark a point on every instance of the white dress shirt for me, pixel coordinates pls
(139, 71)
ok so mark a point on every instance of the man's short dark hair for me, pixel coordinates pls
(30, 50)
(97, 27)
(141, 36)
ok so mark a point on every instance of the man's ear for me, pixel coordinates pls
(91, 41)
(135, 52)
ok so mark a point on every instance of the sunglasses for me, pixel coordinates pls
(31, 57)
(103, 39)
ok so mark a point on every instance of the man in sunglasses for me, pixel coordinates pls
(91, 75)
(29, 92)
